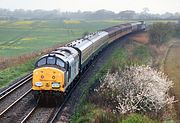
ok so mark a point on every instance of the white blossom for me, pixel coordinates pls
(136, 88)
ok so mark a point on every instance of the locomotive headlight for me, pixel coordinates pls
(38, 84)
(55, 85)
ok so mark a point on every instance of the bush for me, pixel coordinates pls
(160, 33)
(135, 89)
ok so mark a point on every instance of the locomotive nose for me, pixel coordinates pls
(48, 78)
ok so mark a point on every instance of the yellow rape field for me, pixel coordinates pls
(72, 21)
(23, 22)
(11, 47)
(28, 38)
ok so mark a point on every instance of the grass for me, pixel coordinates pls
(10, 74)
(162, 21)
(137, 118)
(91, 113)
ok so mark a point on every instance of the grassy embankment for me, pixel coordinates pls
(133, 53)
(12, 73)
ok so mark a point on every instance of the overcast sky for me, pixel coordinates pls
(155, 6)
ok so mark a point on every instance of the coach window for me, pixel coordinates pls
(42, 62)
(60, 63)
(51, 60)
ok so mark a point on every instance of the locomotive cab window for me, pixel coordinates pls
(41, 62)
(51, 60)
(60, 63)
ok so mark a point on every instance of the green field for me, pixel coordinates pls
(20, 37)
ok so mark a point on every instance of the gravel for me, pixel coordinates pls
(41, 115)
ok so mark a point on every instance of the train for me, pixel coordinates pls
(56, 72)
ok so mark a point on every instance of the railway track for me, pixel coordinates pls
(14, 94)
(15, 86)
(40, 114)
(15, 102)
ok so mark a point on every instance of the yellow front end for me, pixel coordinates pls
(48, 79)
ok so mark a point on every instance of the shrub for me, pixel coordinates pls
(160, 33)
(134, 89)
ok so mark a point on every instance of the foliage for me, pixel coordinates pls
(134, 89)
(160, 33)
(10, 74)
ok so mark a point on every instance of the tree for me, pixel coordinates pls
(160, 33)
(128, 14)
(145, 10)
(177, 29)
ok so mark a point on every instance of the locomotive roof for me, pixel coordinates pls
(87, 38)
(64, 53)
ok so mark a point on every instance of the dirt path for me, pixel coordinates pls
(172, 69)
